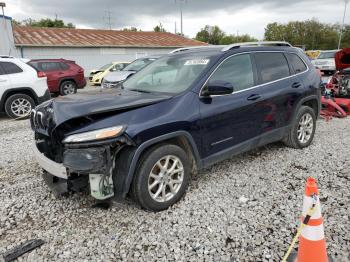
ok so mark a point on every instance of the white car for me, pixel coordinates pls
(326, 61)
(21, 87)
(113, 78)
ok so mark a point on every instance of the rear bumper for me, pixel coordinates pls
(48, 165)
(81, 84)
(45, 97)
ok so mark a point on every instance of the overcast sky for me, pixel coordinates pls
(233, 16)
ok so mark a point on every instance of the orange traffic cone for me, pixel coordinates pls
(312, 244)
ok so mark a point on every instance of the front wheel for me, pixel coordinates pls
(162, 177)
(303, 129)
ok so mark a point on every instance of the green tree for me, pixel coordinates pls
(131, 29)
(47, 22)
(210, 34)
(159, 28)
(231, 39)
(310, 33)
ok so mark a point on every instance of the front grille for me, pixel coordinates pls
(41, 117)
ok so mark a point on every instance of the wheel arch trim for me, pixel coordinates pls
(154, 141)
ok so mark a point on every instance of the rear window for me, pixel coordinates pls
(271, 66)
(297, 63)
(10, 68)
(64, 66)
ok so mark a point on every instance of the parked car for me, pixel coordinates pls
(184, 112)
(326, 61)
(21, 87)
(96, 76)
(64, 77)
(113, 78)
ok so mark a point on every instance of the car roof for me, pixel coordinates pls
(218, 50)
(52, 60)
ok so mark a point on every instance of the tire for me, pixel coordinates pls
(68, 88)
(19, 106)
(145, 186)
(294, 137)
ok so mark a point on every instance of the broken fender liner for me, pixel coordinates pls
(22, 249)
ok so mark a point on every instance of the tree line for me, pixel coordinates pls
(310, 34)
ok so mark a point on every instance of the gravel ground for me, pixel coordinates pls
(243, 209)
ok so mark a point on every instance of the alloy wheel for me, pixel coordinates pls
(21, 107)
(166, 178)
(305, 128)
(68, 89)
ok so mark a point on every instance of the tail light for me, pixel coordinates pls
(41, 74)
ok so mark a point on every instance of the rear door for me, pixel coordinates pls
(53, 72)
(279, 88)
(5, 83)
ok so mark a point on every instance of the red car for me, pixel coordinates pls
(63, 76)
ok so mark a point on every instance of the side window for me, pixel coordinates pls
(297, 64)
(50, 66)
(237, 70)
(64, 66)
(271, 66)
(10, 68)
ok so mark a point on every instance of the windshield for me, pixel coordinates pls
(139, 64)
(168, 74)
(105, 67)
(326, 55)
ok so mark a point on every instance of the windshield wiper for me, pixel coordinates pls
(140, 91)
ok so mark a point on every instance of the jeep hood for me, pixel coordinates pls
(100, 101)
(118, 76)
(342, 59)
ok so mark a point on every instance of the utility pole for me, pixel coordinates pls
(108, 17)
(342, 26)
(181, 2)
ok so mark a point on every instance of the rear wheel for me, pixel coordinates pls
(303, 129)
(19, 106)
(68, 88)
(162, 177)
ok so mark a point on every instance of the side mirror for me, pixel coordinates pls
(217, 88)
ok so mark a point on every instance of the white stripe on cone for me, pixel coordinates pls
(313, 233)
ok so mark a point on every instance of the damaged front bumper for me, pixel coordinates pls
(83, 166)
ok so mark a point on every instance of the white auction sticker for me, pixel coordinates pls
(197, 62)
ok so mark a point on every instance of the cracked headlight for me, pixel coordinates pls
(99, 134)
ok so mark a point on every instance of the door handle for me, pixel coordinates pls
(253, 97)
(296, 85)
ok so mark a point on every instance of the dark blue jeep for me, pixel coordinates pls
(184, 112)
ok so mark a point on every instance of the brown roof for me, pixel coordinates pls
(66, 37)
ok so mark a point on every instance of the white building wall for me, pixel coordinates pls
(89, 57)
(7, 46)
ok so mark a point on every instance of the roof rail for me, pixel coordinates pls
(259, 43)
(182, 49)
(6, 56)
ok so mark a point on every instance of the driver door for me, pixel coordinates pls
(235, 119)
